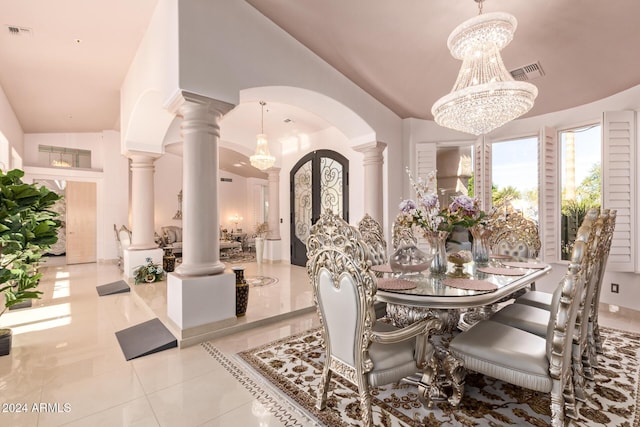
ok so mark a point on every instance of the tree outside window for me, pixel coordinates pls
(514, 171)
(581, 164)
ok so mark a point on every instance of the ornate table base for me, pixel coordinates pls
(443, 378)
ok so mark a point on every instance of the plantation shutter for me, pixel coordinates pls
(549, 197)
(482, 173)
(426, 159)
(619, 186)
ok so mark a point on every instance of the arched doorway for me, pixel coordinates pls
(318, 182)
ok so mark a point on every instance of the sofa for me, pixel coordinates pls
(172, 236)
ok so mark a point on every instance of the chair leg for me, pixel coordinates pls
(578, 373)
(569, 400)
(324, 387)
(557, 409)
(365, 402)
(597, 338)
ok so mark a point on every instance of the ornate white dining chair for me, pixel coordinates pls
(589, 343)
(528, 360)
(373, 235)
(400, 233)
(514, 235)
(535, 319)
(359, 349)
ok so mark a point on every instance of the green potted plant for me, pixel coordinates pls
(27, 229)
(149, 273)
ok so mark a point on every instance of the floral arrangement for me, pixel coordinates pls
(426, 213)
(262, 229)
(149, 273)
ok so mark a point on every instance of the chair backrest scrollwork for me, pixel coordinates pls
(513, 234)
(372, 233)
(400, 233)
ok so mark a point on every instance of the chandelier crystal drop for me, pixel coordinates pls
(262, 159)
(485, 95)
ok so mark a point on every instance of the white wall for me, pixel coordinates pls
(112, 181)
(11, 131)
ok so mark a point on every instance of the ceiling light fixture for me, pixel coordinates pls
(262, 159)
(485, 95)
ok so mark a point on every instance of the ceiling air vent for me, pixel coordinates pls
(19, 31)
(528, 72)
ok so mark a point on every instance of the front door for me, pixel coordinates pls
(319, 182)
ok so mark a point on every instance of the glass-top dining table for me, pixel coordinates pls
(460, 297)
(484, 285)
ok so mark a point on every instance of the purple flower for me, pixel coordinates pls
(430, 201)
(407, 205)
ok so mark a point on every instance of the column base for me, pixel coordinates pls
(135, 258)
(273, 250)
(200, 300)
(186, 269)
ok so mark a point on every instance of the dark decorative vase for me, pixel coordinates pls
(168, 260)
(5, 341)
(242, 291)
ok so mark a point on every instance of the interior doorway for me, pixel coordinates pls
(81, 222)
(319, 182)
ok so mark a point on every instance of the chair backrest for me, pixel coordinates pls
(564, 311)
(344, 288)
(604, 247)
(372, 233)
(124, 235)
(513, 234)
(400, 233)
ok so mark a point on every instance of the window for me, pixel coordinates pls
(580, 172)
(514, 176)
(63, 157)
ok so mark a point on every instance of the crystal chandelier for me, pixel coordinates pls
(485, 95)
(262, 159)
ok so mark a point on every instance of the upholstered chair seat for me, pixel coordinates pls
(525, 317)
(506, 353)
(537, 299)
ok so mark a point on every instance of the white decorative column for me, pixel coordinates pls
(373, 161)
(273, 216)
(199, 292)
(274, 241)
(143, 244)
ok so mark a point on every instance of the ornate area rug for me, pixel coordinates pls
(293, 366)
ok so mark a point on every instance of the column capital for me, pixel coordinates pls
(372, 152)
(182, 98)
(371, 147)
(142, 157)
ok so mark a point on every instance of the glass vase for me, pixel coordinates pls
(437, 241)
(480, 246)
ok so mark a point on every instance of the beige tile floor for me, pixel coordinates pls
(65, 354)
